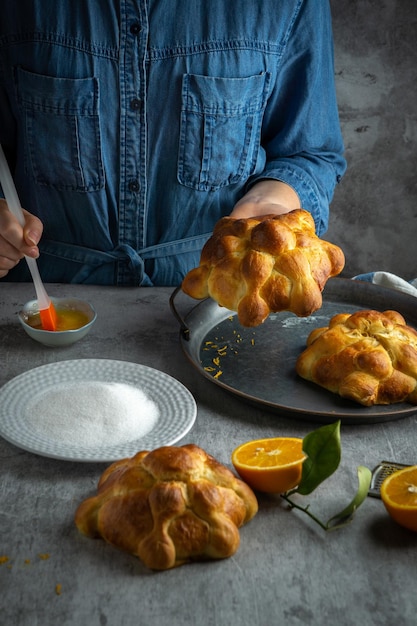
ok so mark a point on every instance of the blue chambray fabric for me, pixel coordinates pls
(132, 126)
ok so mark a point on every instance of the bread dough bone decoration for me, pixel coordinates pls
(258, 266)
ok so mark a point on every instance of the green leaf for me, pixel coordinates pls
(323, 449)
(344, 517)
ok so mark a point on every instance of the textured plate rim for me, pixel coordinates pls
(173, 398)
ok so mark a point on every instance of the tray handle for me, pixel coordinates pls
(184, 330)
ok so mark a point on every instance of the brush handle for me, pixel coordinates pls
(13, 203)
(9, 189)
(41, 295)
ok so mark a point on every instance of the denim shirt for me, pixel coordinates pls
(132, 126)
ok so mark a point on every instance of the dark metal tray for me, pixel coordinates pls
(258, 364)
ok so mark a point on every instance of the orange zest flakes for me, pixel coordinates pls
(5, 559)
(221, 349)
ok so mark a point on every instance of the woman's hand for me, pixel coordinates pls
(267, 197)
(15, 241)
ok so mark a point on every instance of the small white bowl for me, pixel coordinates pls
(58, 338)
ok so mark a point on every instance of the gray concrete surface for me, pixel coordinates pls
(374, 212)
(287, 571)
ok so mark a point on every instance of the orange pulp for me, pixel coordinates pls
(399, 495)
(271, 465)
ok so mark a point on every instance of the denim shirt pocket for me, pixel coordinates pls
(61, 130)
(221, 120)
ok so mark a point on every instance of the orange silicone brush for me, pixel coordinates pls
(46, 308)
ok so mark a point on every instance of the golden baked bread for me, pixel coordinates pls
(168, 507)
(256, 266)
(368, 356)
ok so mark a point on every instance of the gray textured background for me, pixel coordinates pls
(374, 210)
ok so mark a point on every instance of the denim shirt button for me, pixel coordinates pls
(135, 29)
(134, 185)
(135, 104)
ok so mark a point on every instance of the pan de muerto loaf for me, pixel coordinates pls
(369, 357)
(168, 507)
(256, 266)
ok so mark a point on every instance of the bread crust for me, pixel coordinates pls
(168, 507)
(273, 263)
(368, 357)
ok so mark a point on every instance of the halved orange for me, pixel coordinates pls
(272, 465)
(399, 494)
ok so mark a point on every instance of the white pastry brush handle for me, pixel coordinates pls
(13, 203)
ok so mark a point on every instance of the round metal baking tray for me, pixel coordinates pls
(258, 364)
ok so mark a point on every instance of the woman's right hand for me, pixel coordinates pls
(15, 241)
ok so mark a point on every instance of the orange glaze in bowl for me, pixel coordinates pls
(75, 319)
(67, 319)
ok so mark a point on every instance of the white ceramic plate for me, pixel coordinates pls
(176, 406)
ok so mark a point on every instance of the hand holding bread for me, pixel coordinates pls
(273, 263)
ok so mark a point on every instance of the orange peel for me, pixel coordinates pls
(271, 465)
(399, 495)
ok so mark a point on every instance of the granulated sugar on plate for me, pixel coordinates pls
(91, 414)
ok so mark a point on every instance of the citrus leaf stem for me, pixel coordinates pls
(306, 509)
(346, 515)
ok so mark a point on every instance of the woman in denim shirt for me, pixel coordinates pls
(133, 126)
